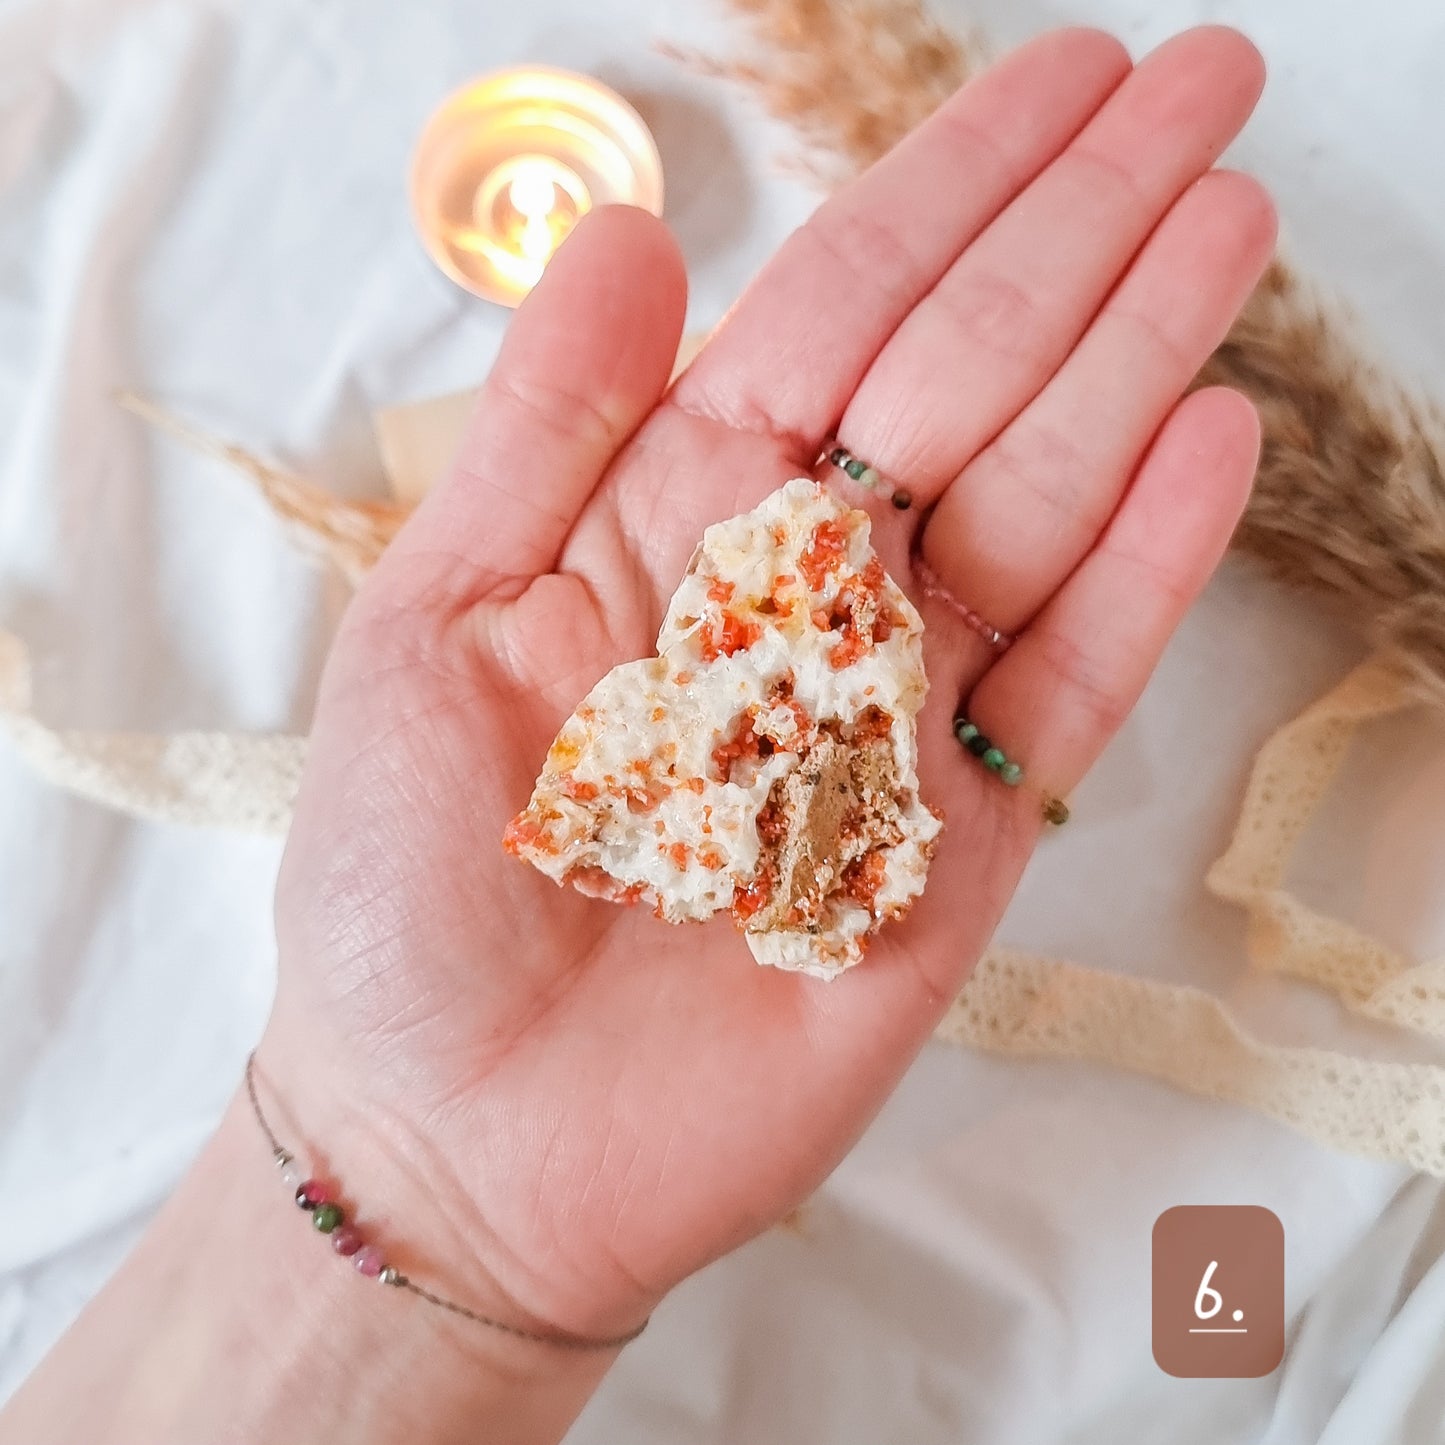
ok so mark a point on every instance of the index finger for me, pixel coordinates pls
(796, 346)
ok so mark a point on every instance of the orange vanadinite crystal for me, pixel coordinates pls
(825, 553)
(745, 743)
(523, 831)
(747, 900)
(863, 877)
(848, 650)
(733, 634)
(781, 584)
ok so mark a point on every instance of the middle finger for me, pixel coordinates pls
(1011, 308)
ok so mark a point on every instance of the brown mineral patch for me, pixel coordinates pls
(838, 805)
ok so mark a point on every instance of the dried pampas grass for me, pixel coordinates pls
(1349, 502)
(351, 534)
(850, 78)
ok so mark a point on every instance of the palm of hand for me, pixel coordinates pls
(602, 1103)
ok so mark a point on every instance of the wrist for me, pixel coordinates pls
(234, 1318)
(420, 1193)
(378, 1360)
(336, 1354)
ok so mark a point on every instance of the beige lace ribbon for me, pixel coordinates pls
(1015, 1003)
(1019, 1004)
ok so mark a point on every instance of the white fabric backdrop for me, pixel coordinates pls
(205, 201)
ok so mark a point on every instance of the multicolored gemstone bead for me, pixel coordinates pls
(346, 1239)
(368, 1261)
(326, 1217)
(319, 1198)
(315, 1192)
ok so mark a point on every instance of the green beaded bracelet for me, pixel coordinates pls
(987, 752)
(868, 476)
(1010, 773)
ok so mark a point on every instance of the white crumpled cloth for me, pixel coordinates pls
(205, 202)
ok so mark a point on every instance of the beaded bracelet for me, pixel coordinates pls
(983, 748)
(868, 476)
(928, 580)
(319, 1199)
(993, 757)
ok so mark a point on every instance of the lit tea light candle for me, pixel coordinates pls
(510, 163)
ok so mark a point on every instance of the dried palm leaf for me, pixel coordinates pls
(352, 534)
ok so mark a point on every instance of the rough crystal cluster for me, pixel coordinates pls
(763, 762)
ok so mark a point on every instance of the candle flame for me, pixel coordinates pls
(534, 193)
(508, 164)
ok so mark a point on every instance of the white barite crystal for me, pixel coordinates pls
(785, 650)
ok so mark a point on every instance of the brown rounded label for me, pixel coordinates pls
(1218, 1291)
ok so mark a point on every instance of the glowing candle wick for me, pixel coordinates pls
(534, 194)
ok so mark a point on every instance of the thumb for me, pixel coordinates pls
(586, 358)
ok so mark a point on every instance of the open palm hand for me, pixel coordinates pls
(570, 1101)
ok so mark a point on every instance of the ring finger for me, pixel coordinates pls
(1026, 511)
